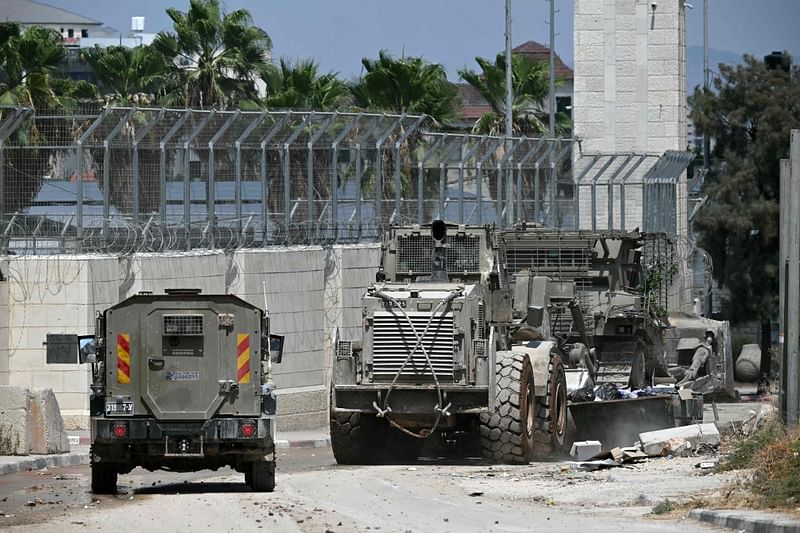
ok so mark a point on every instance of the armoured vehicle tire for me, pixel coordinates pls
(550, 431)
(356, 438)
(104, 478)
(506, 435)
(262, 476)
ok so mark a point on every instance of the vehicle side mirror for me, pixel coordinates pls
(275, 348)
(87, 349)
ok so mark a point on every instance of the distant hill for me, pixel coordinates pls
(694, 64)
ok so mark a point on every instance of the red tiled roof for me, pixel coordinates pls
(474, 105)
(540, 52)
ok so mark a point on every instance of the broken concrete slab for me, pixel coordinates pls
(15, 426)
(30, 422)
(47, 426)
(586, 449)
(657, 443)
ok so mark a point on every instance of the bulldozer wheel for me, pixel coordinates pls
(104, 478)
(506, 435)
(355, 438)
(551, 413)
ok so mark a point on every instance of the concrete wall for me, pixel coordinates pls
(310, 292)
(630, 75)
(630, 96)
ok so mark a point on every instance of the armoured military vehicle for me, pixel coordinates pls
(440, 353)
(623, 307)
(182, 381)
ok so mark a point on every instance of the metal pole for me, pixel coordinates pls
(361, 140)
(211, 197)
(577, 191)
(610, 192)
(596, 177)
(511, 146)
(187, 186)
(79, 190)
(310, 165)
(421, 177)
(479, 174)
(379, 169)
(140, 135)
(238, 161)
(335, 174)
(9, 126)
(792, 294)
(461, 162)
(459, 142)
(785, 222)
(552, 69)
(554, 183)
(509, 117)
(162, 166)
(287, 184)
(530, 153)
(265, 182)
(706, 76)
(622, 189)
(397, 177)
(107, 170)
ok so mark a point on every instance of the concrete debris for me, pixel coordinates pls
(30, 422)
(658, 443)
(748, 365)
(594, 464)
(610, 459)
(586, 449)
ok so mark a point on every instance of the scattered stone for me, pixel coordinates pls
(586, 449)
(657, 443)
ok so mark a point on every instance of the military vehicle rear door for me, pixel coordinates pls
(186, 362)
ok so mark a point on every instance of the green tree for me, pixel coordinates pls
(214, 57)
(405, 85)
(127, 73)
(301, 86)
(530, 86)
(29, 62)
(749, 113)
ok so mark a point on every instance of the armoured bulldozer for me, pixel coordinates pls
(441, 353)
(182, 381)
(622, 306)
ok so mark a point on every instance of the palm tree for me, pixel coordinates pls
(301, 86)
(214, 56)
(405, 85)
(128, 74)
(530, 86)
(29, 62)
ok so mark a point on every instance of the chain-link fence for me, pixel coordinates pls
(122, 180)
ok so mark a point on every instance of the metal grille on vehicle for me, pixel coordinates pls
(414, 254)
(183, 324)
(393, 340)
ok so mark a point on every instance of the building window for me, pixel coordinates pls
(70, 33)
(564, 105)
(84, 33)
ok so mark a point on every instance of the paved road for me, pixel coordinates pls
(314, 494)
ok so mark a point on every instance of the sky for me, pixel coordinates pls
(338, 33)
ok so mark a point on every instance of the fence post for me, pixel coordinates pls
(107, 170)
(79, 189)
(140, 135)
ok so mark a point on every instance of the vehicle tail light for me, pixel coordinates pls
(120, 430)
(247, 429)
